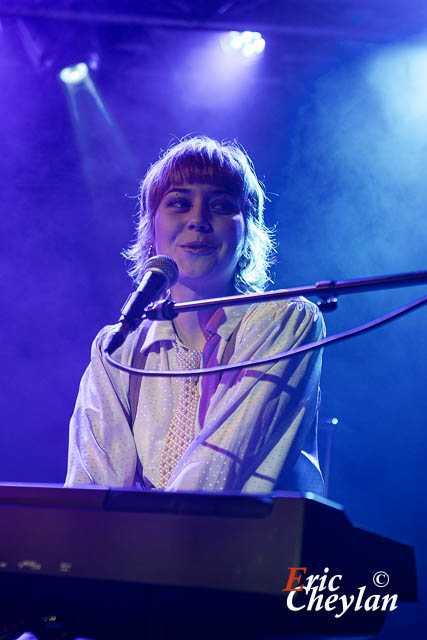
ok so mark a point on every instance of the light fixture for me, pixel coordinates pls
(248, 43)
(74, 74)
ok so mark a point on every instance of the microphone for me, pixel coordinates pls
(161, 272)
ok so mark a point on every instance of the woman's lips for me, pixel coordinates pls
(199, 248)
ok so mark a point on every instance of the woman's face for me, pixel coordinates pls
(202, 227)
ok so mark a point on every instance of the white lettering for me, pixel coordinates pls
(359, 605)
(329, 600)
(375, 605)
(323, 579)
(309, 584)
(386, 600)
(315, 601)
(331, 583)
(290, 604)
(345, 606)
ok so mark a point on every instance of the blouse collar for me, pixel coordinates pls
(223, 322)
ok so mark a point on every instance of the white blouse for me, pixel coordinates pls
(250, 425)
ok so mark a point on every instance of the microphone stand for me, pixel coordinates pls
(326, 290)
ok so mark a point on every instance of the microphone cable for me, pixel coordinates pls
(368, 326)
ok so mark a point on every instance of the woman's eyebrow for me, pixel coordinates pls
(177, 189)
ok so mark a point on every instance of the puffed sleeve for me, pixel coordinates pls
(258, 418)
(101, 446)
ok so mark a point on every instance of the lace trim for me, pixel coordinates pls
(182, 428)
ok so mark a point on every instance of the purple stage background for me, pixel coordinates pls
(334, 114)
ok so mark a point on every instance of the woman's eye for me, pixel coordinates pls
(223, 206)
(178, 204)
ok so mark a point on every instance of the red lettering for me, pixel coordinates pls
(293, 577)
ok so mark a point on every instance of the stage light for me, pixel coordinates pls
(74, 74)
(259, 45)
(248, 43)
(235, 39)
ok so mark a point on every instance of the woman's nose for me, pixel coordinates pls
(199, 218)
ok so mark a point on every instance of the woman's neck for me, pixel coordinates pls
(191, 330)
(191, 326)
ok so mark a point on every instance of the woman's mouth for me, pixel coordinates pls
(199, 248)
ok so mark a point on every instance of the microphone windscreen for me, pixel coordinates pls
(166, 265)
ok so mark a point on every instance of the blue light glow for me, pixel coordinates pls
(398, 75)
